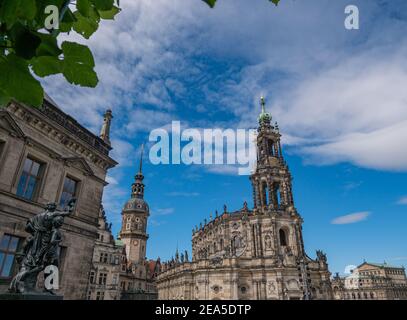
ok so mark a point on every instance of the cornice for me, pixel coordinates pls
(81, 141)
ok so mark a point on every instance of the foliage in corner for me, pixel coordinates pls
(29, 34)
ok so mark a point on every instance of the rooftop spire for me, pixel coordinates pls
(137, 189)
(141, 159)
(263, 104)
(264, 118)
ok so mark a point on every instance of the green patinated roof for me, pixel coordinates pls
(119, 243)
(264, 116)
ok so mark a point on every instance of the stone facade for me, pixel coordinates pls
(46, 156)
(252, 253)
(371, 281)
(107, 261)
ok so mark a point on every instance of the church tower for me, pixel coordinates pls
(272, 187)
(252, 253)
(134, 220)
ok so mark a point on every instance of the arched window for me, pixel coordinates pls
(271, 147)
(371, 295)
(214, 247)
(236, 242)
(276, 194)
(265, 193)
(221, 244)
(283, 238)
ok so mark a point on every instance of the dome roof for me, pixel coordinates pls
(136, 204)
(264, 118)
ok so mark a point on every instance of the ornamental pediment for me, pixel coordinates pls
(80, 164)
(8, 123)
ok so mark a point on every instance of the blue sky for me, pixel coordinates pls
(338, 95)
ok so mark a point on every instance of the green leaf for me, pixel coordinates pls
(80, 74)
(67, 21)
(46, 65)
(26, 44)
(210, 3)
(110, 14)
(104, 5)
(78, 53)
(17, 82)
(78, 65)
(275, 1)
(25, 41)
(4, 98)
(86, 26)
(13, 10)
(83, 7)
(48, 45)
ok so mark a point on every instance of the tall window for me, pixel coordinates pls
(92, 277)
(265, 193)
(115, 279)
(276, 194)
(103, 257)
(68, 192)
(271, 147)
(100, 295)
(30, 179)
(283, 237)
(102, 278)
(8, 248)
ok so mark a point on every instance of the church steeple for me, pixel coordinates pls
(134, 219)
(105, 131)
(137, 188)
(272, 179)
(264, 118)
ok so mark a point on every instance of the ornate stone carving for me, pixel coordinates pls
(217, 261)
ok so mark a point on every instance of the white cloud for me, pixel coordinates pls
(147, 120)
(162, 211)
(111, 180)
(351, 218)
(402, 200)
(350, 112)
(182, 194)
(124, 153)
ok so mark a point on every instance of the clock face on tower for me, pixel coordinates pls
(135, 242)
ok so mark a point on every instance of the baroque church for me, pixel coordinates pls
(255, 253)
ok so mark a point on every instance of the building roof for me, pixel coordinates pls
(152, 266)
(50, 100)
(381, 265)
(119, 243)
(51, 109)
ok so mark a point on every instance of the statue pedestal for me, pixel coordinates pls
(29, 296)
